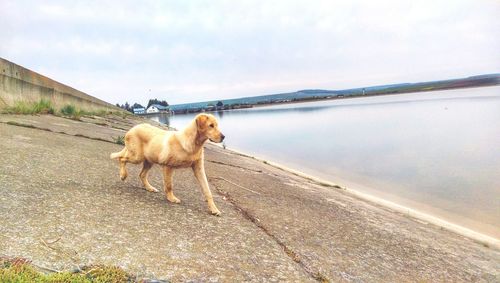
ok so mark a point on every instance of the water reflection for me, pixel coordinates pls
(163, 118)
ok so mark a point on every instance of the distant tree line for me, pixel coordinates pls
(129, 108)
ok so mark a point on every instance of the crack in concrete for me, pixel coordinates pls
(12, 123)
(234, 184)
(288, 251)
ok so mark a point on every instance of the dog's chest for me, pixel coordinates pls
(181, 160)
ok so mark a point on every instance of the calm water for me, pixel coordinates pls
(438, 152)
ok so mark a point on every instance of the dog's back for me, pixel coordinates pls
(143, 133)
(136, 140)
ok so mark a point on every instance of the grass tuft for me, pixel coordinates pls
(119, 140)
(101, 273)
(20, 107)
(102, 112)
(75, 113)
(44, 106)
(41, 107)
(68, 110)
(72, 112)
(20, 270)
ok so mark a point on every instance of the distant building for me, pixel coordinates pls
(139, 110)
(156, 108)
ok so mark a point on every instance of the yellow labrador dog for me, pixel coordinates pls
(150, 145)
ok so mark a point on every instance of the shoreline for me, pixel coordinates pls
(355, 97)
(483, 239)
(308, 100)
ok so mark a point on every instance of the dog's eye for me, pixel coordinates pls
(211, 125)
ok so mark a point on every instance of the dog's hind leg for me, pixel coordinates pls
(167, 182)
(122, 159)
(123, 170)
(144, 176)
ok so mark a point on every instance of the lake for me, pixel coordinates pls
(437, 152)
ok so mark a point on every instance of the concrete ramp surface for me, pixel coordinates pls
(63, 206)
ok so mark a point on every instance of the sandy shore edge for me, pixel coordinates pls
(410, 212)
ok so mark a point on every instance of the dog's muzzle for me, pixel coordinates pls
(221, 138)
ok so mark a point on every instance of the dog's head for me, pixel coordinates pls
(208, 127)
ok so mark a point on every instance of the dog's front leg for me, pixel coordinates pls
(167, 182)
(199, 172)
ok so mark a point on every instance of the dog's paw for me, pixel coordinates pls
(215, 212)
(152, 189)
(123, 173)
(173, 199)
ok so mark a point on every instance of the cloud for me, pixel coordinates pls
(200, 50)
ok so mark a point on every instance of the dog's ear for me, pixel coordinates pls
(201, 121)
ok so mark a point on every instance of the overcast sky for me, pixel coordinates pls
(185, 51)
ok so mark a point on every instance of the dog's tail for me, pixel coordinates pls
(118, 154)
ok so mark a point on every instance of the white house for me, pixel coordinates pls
(156, 108)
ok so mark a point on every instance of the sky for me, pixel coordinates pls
(187, 51)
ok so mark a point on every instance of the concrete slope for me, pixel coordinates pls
(63, 206)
